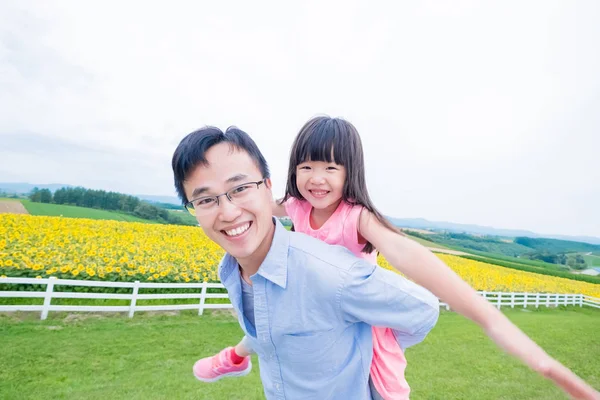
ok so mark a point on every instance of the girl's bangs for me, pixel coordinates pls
(320, 147)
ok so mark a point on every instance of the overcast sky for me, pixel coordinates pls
(469, 112)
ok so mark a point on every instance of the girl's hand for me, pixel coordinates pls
(420, 265)
(568, 381)
(512, 340)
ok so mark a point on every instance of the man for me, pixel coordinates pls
(311, 306)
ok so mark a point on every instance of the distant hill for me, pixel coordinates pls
(557, 245)
(24, 188)
(420, 223)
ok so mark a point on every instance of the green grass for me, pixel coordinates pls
(185, 216)
(83, 356)
(522, 261)
(77, 212)
(536, 270)
(426, 243)
(592, 260)
(538, 267)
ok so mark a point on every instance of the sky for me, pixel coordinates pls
(470, 112)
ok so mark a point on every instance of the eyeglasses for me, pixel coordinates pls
(237, 195)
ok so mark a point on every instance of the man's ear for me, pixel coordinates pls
(268, 183)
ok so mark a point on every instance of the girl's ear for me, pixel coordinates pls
(268, 183)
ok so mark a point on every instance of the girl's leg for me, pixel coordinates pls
(243, 348)
(231, 361)
(374, 393)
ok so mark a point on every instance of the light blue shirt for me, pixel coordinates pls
(248, 301)
(314, 305)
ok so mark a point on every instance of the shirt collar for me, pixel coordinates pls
(274, 266)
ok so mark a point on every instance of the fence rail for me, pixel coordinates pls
(499, 299)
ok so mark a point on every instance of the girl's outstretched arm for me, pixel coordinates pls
(427, 270)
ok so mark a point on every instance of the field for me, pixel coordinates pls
(426, 243)
(593, 260)
(537, 270)
(12, 206)
(60, 210)
(186, 216)
(110, 250)
(150, 357)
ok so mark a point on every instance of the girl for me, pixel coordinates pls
(326, 197)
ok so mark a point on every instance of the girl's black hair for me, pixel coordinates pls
(334, 140)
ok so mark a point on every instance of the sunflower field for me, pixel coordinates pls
(74, 248)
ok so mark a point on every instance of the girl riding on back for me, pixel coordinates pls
(326, 197)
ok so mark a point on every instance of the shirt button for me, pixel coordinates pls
(277, 386)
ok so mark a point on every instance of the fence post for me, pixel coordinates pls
(136, 286)
(525, 301)
(512, 300)
(48, 297)
(499, 300)
(548, 300)
(580, 300)
(202, 298)
(537, 300)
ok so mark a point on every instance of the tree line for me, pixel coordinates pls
(110, 201)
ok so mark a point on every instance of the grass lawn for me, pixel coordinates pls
(426, 243)
(77, 212)
(81, 356)
(592, 260)
(515, 260)
(184, 215)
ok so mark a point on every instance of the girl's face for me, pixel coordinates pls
(321, 183)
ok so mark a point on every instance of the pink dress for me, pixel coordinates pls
(389, 363)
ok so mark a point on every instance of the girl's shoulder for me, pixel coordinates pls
(293, 206)
(351, 210)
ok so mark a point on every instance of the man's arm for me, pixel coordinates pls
(383, 298)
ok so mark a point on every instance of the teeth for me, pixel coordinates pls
(319, 192)
(238, 231)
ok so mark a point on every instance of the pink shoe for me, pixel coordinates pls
(211, 369)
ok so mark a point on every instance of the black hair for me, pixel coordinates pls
(192, 149)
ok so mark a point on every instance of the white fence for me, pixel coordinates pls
(499, 299)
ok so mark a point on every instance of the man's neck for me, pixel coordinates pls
(250, 265)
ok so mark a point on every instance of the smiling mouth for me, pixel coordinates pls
(237, 231)
(319, 193)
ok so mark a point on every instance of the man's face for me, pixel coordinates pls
(244, 229)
